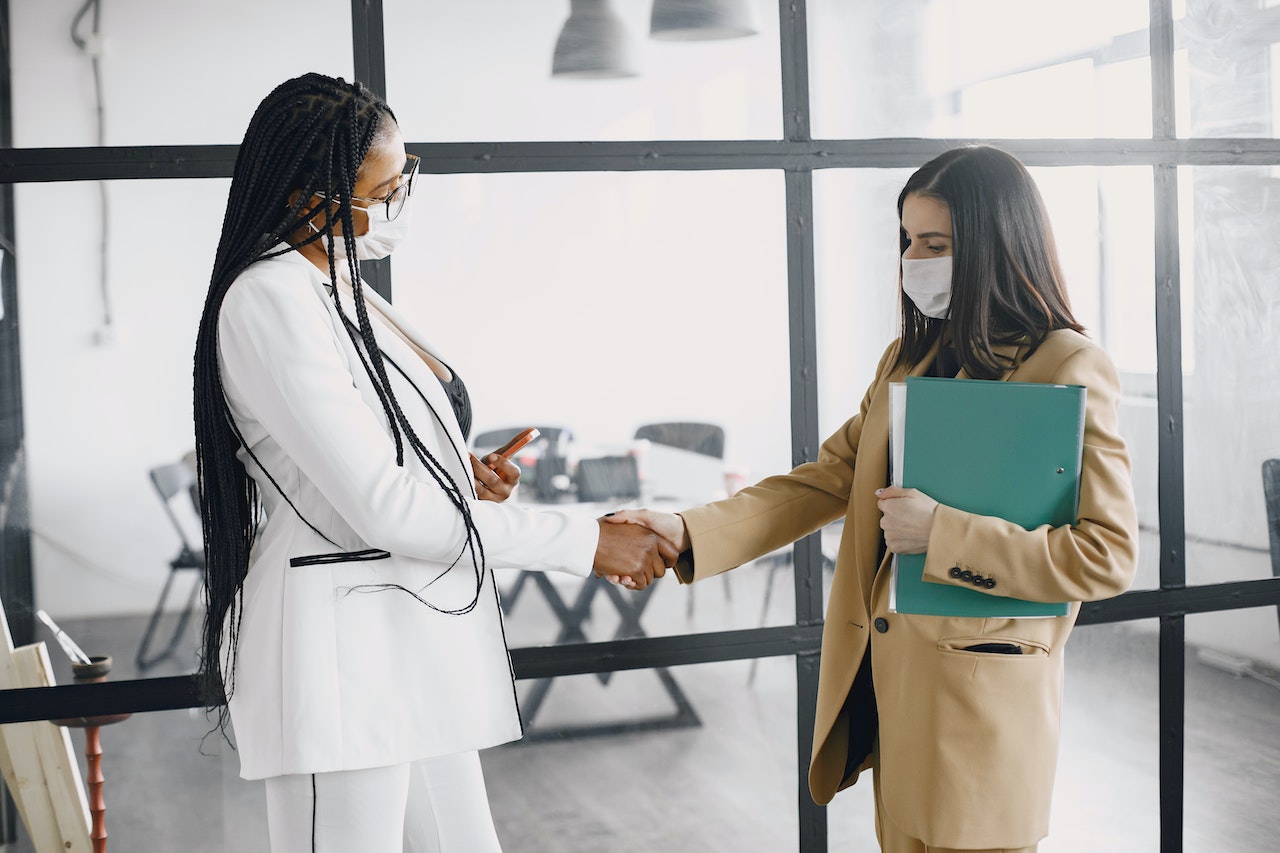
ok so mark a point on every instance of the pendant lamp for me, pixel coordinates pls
(593, 43)
(700, 20)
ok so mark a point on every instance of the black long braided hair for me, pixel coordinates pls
(307, 140)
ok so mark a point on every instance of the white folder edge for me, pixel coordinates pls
(897, 430)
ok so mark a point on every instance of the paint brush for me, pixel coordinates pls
(68, 645)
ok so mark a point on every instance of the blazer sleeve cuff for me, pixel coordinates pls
(950, 526)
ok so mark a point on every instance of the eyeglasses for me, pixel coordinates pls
(397, 197)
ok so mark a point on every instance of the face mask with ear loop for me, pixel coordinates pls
(927, 282)
(380, 240)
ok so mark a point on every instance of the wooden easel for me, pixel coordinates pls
(39, 764)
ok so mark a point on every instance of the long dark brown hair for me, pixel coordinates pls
(306, 141)
(1006, 283)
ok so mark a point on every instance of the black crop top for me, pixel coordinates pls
(456, 390)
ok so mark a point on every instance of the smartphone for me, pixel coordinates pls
(518, 442)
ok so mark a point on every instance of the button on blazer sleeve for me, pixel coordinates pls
(284, 367)
(1094, 558)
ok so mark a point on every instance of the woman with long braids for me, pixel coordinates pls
(353, 623)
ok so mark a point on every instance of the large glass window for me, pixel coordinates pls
(1106, 796)
(107, 390)
(446, 59)
(993, 68)
(169, 787)
(1104, 226)
(1233, 712)
(547, 795)
(169, 74)
(1226, 68)
(856, 282)
(601, 306)
(607, 308)
(1231, 390)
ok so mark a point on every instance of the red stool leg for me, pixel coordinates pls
(97, 806)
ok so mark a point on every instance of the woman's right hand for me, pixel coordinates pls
(632, 555)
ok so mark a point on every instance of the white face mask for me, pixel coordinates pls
(382, 237)
(927, 281)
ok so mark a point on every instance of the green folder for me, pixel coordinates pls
(1005, 449)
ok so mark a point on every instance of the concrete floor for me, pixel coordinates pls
(731, 783)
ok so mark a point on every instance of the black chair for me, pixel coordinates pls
(173, 482)
(707, 439)
(553, 465)
(608, 478)
(1271, 492)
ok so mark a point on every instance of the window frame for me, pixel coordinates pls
(798, 156)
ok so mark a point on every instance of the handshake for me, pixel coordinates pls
(638, 545)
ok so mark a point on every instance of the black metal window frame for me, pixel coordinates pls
(798, 156)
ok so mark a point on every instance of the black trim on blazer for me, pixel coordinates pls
(340, 557)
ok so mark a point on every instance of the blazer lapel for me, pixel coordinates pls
(1012, 353)
(415, 369)
(396, 317)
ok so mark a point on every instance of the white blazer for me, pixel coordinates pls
(335, 671)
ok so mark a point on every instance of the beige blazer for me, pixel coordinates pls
(968, 742)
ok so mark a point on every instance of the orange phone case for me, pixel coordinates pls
(518, 442)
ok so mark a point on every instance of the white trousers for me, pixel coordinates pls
(437, 805)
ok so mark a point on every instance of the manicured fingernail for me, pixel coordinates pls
(607, 514)
(878, 491)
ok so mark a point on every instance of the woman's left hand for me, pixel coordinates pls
(907, 519)
(495, 483)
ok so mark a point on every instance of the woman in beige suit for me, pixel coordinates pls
(962, 743)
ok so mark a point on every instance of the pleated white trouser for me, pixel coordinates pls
(437, 805)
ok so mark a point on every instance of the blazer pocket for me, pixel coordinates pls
(992, 646)
(340, 557)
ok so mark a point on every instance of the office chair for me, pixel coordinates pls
(171, 481)
(707, 439)
(608, 478)
(1271, 492)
